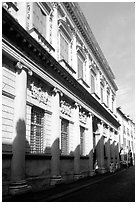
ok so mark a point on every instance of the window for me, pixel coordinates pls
(92, 83)
(101, 93)
(82, 141)
(124, 142)
(113, 103)
(36, 138)
(108, 97)
(124, 129)
(64, 137)
(39, 19)
(64, 49)
(80, 68)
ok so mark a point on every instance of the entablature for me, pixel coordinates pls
(32, 49)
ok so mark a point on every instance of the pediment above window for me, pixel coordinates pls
(65, 28)
(46, 6)
(81, 51)
(93, 68)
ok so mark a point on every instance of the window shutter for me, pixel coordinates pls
(39, 19)
(80, 68)
(101, 89)
(64, 49)
(92, 84)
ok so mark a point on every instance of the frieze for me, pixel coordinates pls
(65, 108)
(38, 93)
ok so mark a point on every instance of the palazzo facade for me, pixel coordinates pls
(58, 98)
(126, 138)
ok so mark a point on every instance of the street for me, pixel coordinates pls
(119, 187)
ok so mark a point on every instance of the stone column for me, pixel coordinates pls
(108, 148)
(101, 151)
(55, 151)
(76, 143)
(99, 140)
(18, 183)
(90, 144)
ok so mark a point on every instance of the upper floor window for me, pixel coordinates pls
(64, 137)
(39, 19)
(124, 129)
(36, 137)
(64, 48)
(108, 97)
(93, 78)
(113, 102)
(124, 142)
(80, 68)
(82, 141)
(102, 93)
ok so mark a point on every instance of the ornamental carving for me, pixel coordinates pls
(28, 16)
(65, 108)
(83, 117)
(39, 94)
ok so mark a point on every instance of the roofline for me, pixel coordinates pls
(22, 40)
(80, 21)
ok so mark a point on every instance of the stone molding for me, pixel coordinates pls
(38, 93)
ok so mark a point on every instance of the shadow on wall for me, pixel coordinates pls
(99, 150)
(18, 158)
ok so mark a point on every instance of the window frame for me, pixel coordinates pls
(82, 141)
(67, 42)
(37, 148)
(64, 151)
(42, 15)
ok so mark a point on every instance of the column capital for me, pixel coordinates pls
(77, 105)
(90, 114)
(21, 66)
(56, 90)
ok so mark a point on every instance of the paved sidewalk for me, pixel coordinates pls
(59, 190)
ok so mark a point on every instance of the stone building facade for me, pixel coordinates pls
(58, 97)
(126, 138)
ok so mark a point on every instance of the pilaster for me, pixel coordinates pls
(76, 143)
(18, 184)
(90, 143)
(108, 148)
(55, 151)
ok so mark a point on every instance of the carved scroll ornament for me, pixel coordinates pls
(39, 94)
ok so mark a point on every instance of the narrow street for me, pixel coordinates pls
(117, 188)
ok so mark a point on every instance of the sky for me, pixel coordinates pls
(113, 25)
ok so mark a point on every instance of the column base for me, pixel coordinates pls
(20, 187)
(91, 173)
(77, 177)
(55, 180)
(101, 170)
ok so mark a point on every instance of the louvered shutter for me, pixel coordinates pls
(80, 68)
(64, 49)
(92, 84)
(39, 19)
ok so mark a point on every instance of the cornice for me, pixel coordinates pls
(83, 27)
(20, 38)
